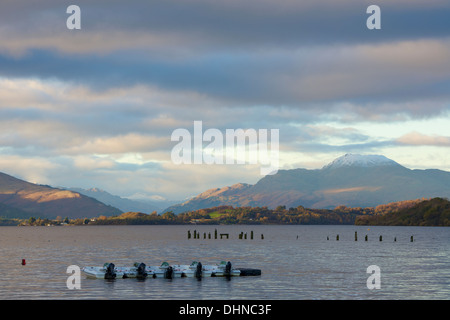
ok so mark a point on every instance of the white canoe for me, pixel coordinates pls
(101, 272)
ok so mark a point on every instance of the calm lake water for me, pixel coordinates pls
(297, 262)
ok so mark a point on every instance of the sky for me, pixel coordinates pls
(96, 106)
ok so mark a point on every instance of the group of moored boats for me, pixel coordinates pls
(165, 270)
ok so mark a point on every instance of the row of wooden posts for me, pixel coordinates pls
(242, 235)
(366, 238)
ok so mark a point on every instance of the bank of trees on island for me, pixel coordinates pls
(433, 212)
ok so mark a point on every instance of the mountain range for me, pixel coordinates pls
(125, 204)
(350, 180)
(21, 199)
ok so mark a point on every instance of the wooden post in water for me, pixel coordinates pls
(328, 238)
(395, 239)
(262, 236)
(245, 236)
(251, 235)
(356, 236)
(189, 234)
(195, 234)
(204, 235)
(215, 233)
(209, 235)
(412, 239)
(381, 238)
(337, 238)
(365, 237)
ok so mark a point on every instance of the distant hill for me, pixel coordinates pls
(21, 199)
(350, 180)
(123, 204)
(215, 197)
(433, 212)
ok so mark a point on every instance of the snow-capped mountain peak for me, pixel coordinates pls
(357, 160)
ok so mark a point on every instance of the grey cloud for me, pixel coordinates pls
(303, 54)
(252, 23)
(303, 80)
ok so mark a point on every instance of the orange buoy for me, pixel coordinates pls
(23, 262)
